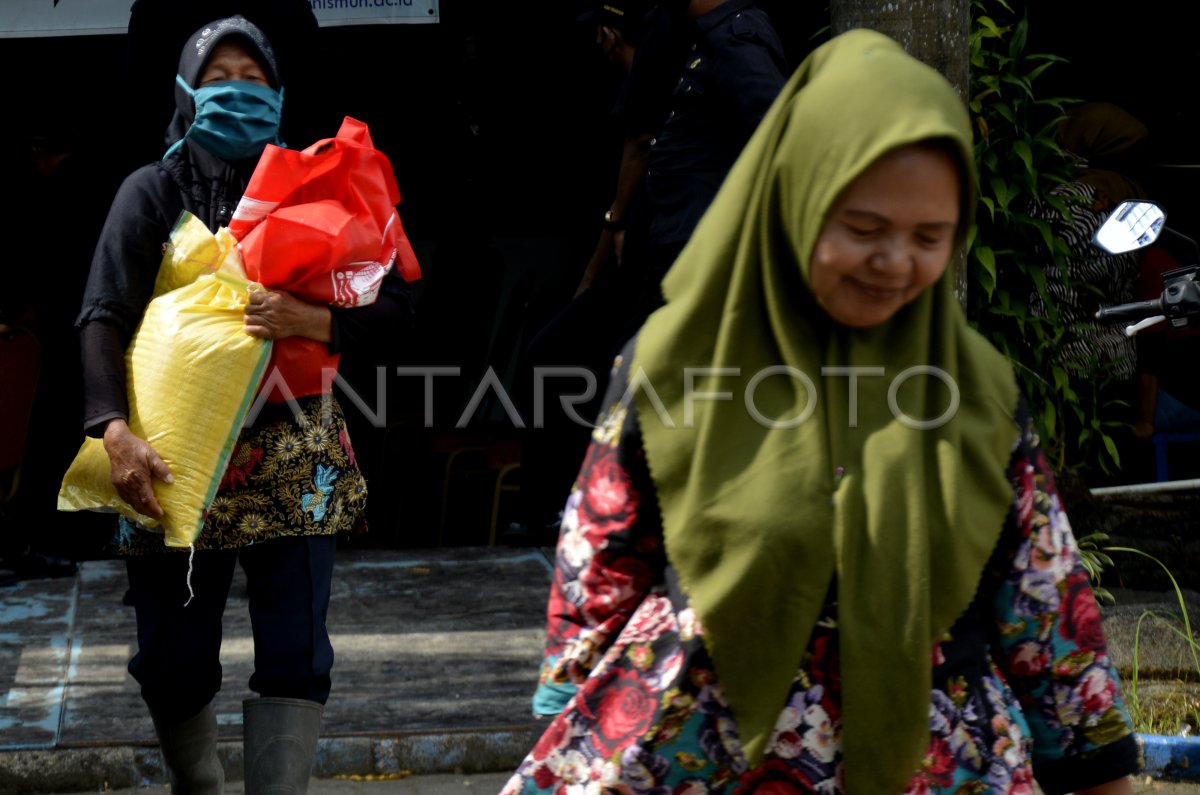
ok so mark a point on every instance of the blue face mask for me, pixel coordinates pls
(234, 120)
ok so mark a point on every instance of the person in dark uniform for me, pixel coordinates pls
(732, 70)
(704, 74)
(639, 112)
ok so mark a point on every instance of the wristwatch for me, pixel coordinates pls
(611, 222)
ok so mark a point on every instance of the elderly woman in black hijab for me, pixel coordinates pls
(229, 98)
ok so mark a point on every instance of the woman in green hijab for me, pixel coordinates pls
(814, 546)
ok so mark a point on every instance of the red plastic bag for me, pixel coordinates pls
(321, 223)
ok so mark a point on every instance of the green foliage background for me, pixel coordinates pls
(1011, 248)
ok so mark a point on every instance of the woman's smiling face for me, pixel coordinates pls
(888, 237)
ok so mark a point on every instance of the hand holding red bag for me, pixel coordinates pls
(321, 224)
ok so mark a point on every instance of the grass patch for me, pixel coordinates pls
(1163, 707)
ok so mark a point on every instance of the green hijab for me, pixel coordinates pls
(759, 521)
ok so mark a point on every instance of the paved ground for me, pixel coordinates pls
(1147, 786)
(437, 654)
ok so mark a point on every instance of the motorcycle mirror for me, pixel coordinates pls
(1131, 226)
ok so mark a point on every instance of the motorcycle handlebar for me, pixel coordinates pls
(1134, 311)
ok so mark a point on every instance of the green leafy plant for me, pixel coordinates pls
(1095, 561)
(1013, 244)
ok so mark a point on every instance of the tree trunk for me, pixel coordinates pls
(934, 31)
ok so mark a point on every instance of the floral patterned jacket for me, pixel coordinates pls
(1023, 684)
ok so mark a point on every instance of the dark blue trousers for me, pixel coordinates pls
(178, 659)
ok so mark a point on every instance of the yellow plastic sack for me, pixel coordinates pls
(192, 377)
(194, 251)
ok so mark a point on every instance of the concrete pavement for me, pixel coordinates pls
(437, 656)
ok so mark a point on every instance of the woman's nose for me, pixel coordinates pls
(891, 254)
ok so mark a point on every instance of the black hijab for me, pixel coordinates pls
(210, 185)
(157, 31)
(196, 52)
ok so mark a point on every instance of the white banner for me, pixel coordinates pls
(330, 13)
(30, 18)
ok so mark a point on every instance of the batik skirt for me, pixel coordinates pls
(292, 473)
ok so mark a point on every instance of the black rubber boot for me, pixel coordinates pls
(189, 750)
(280, 742)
